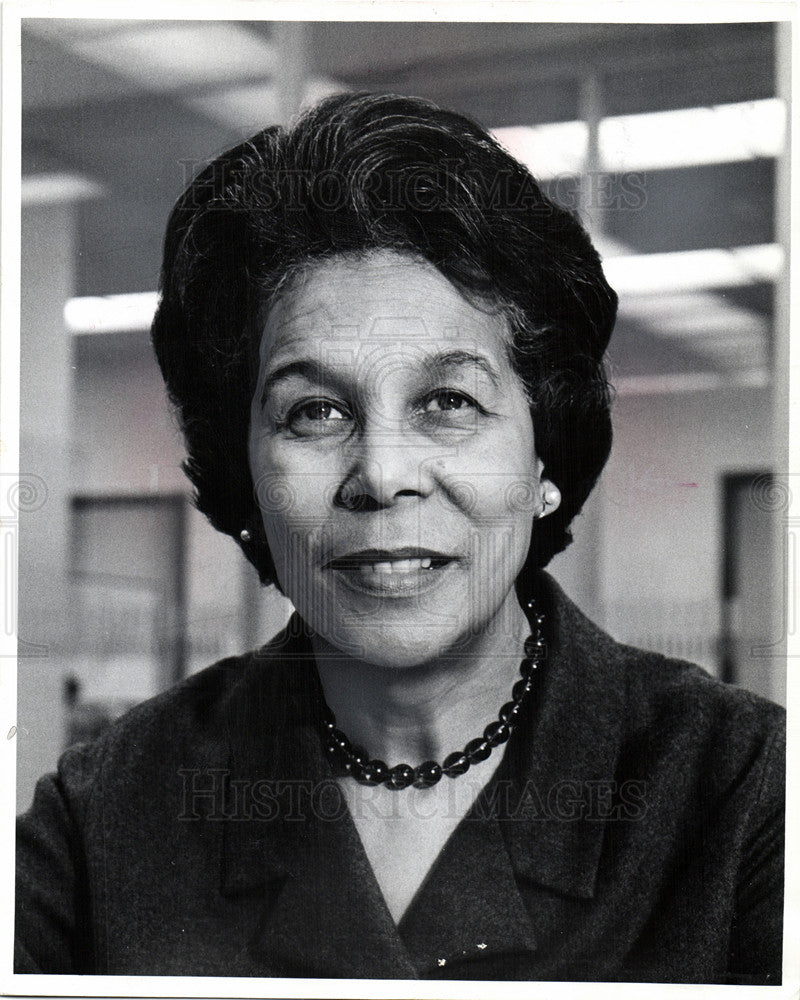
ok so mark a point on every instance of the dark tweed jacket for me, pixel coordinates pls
(632, 832)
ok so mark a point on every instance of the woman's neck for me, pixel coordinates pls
(413, 713)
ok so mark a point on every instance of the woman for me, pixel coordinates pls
(385, 346)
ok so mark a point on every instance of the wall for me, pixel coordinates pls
(659, 510)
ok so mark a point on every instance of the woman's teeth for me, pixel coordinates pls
(397, 566)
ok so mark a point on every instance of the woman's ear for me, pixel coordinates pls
(551, 497)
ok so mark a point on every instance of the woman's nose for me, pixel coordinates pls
(385, 466)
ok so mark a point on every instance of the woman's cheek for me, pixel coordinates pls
(299, 492)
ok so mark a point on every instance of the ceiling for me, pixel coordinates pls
(136, 106)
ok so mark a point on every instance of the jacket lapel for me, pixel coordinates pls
(469, 908)
(555, 826)
(329, 917)
(288, 835)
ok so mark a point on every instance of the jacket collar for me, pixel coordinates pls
(324, 896)
(554, 829)
(469, 908)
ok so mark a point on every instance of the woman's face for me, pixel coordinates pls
(392, 450)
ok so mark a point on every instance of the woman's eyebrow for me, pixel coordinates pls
(436, 365)
(312, 370)
(461, 359)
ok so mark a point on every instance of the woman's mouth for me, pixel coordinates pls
(395, 571)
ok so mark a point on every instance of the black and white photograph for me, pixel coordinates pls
(399, 538)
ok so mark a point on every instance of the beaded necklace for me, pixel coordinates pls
(347, 758)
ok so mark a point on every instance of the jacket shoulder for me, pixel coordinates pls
(187, 723)
(673, 716)
(715, 735)
(661, 688)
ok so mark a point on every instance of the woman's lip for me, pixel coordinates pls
(400, 578)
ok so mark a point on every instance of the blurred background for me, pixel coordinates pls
(669, 140)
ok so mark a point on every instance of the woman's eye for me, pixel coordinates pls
(321, 409)
(316, 416)
(448, 400)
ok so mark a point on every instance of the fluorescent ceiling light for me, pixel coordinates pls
(631, 275)
(249, 107)
(58, 189)
(659, 140)
(166, 55)
(648, 385)
(548, 151)
(689, 314)
(318, 87)
(688, 270)
(722, 133)
(110, 313)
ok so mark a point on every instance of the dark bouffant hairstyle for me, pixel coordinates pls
(363, 172)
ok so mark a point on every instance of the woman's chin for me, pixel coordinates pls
(395, 647)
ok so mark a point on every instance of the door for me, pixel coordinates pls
(751, 649)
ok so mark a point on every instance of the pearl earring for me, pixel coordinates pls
(245, 535)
